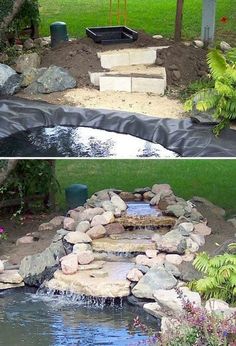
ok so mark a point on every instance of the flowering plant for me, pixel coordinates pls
(196, 327)
(3, 234)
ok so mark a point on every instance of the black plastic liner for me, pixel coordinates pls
(186, 138)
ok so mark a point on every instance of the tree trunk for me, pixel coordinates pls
(9, 18)
(4, 172)
(178, 20)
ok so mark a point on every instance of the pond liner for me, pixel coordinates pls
(185, 137)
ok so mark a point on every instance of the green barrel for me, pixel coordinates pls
(76, 195)
(58, 33)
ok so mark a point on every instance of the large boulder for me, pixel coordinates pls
(53, 79)
(69, 264)
(37, 268)
(10, 81)
(171, 301)
(156, 278)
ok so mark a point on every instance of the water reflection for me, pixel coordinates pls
(64, 141)
(28, 319)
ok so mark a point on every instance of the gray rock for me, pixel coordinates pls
(172, 242)
(62, 232)
(224, 46)
(142, 268)
(175, 210)
(28, 44)
(27, 61)
(156, 278)
(37, 268)
(185, 228)
(31, 74)
(83, 226)
(171, 268)
(53, 79)
(142, 190)
(10, 81)
(198, 43)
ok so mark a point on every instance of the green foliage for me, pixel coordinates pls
(219, 279)
(221, 98)
(29, 178)
(28, 12)
(195, 87)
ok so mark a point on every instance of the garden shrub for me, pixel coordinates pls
(219, 279)
(221, 98)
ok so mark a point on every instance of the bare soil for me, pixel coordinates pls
(183, 64)
(80, 56)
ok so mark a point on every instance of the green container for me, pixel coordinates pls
(58, 33)
(76, 195)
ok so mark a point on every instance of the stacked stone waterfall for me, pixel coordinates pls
(84, 257)
(100, 252)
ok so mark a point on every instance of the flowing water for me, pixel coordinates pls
(62, 141)
(142, 209)
(28, 319)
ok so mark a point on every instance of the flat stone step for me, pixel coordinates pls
(139, 78)
(109, 281)
(150, 222)
(129, 56)
(122, 245)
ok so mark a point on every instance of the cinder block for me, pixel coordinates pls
(115, 83)
(142, 57)
(95, 76)
(111, 60)
(152, 85)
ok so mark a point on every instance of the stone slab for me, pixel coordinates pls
(123, 245)
(113, 285)
(114, 83)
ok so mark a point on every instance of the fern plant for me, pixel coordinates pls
(221, 98)
(219, 280)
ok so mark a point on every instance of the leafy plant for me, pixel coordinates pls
(195, 87)
(3, 234)
(221, 98)
(219, 279)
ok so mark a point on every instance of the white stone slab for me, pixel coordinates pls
(117, 59)
(95, 77)
(115, 83)
(152, 85)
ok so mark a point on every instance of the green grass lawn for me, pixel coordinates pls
(152, 16)
(212, 179)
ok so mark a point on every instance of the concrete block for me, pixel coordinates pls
(95, 76)
(142, 57)
(118, 59)
(115, 83)
(152, 85)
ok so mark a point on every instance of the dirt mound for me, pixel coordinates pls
(184, 64)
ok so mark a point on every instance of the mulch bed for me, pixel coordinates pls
(183, 64)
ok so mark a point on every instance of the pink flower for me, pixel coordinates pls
(2, 230)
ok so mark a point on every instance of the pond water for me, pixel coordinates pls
(142, 209)
(41, 320)
(62, 141)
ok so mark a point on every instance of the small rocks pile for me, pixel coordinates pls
(28, 74)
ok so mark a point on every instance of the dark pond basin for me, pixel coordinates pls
(62, 141)
(41, 320)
